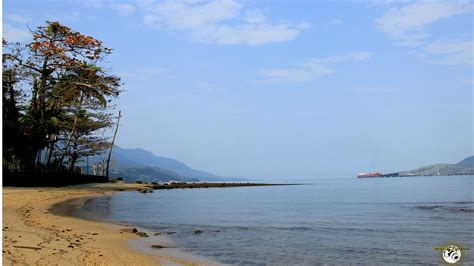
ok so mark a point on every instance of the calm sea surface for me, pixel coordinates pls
(368, 221)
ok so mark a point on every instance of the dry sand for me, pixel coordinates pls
(32, 235)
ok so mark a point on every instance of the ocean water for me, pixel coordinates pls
(331, 221)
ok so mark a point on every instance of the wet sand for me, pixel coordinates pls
(33, 235)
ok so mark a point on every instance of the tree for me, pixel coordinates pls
(66, 101)
(85, 91)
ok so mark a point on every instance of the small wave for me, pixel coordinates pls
(460, 210)
(428, 207)
(452, 209)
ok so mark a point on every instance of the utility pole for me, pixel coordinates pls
(112, 144)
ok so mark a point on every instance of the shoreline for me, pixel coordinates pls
(36, 232)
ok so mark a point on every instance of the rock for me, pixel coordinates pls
(129, 230)
(157, 246)
(197, 232)
(157, 234)
(154, 183)
(142, 234)
(139, 182)
(144, 190)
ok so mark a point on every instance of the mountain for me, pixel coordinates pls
(146, 174)
(140, 164)
(464, 167)
(468, 162)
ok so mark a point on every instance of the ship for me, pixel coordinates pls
(367, 175)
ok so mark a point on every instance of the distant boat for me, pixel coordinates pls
(367, 175)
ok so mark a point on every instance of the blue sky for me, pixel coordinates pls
(283, 89)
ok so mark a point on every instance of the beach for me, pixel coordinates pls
(33, 235)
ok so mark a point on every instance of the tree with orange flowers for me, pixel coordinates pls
(56, 99)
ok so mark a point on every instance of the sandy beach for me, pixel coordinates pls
(33, 235)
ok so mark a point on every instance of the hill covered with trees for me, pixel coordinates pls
(464, 167)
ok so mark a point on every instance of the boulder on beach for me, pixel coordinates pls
(142, 234)
(129, 230)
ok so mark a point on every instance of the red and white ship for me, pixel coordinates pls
(367, 175)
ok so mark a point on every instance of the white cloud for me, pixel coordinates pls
(450, 52)
(311, 69)
(176, 100)
(92, 3)
(206, 87)
(142, 73)
(469, 82)
(184, 15)
(15, 18)
(406, 23)
(465, 82)
(375, 89)
(122, 8)
(15, 34)
(335, 22)
(220, 21)
(388, 2)
(250, 34)
(255, 16)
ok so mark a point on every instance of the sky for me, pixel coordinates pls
(282, 89)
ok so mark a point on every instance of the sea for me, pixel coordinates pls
(368, 221)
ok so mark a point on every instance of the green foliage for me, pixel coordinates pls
(56, 99)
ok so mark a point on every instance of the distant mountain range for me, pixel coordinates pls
(143, 165)
(464, 167)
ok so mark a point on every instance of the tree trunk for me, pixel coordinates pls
(112, 145)
(50, 155)
(73, 129)
(74, 156)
